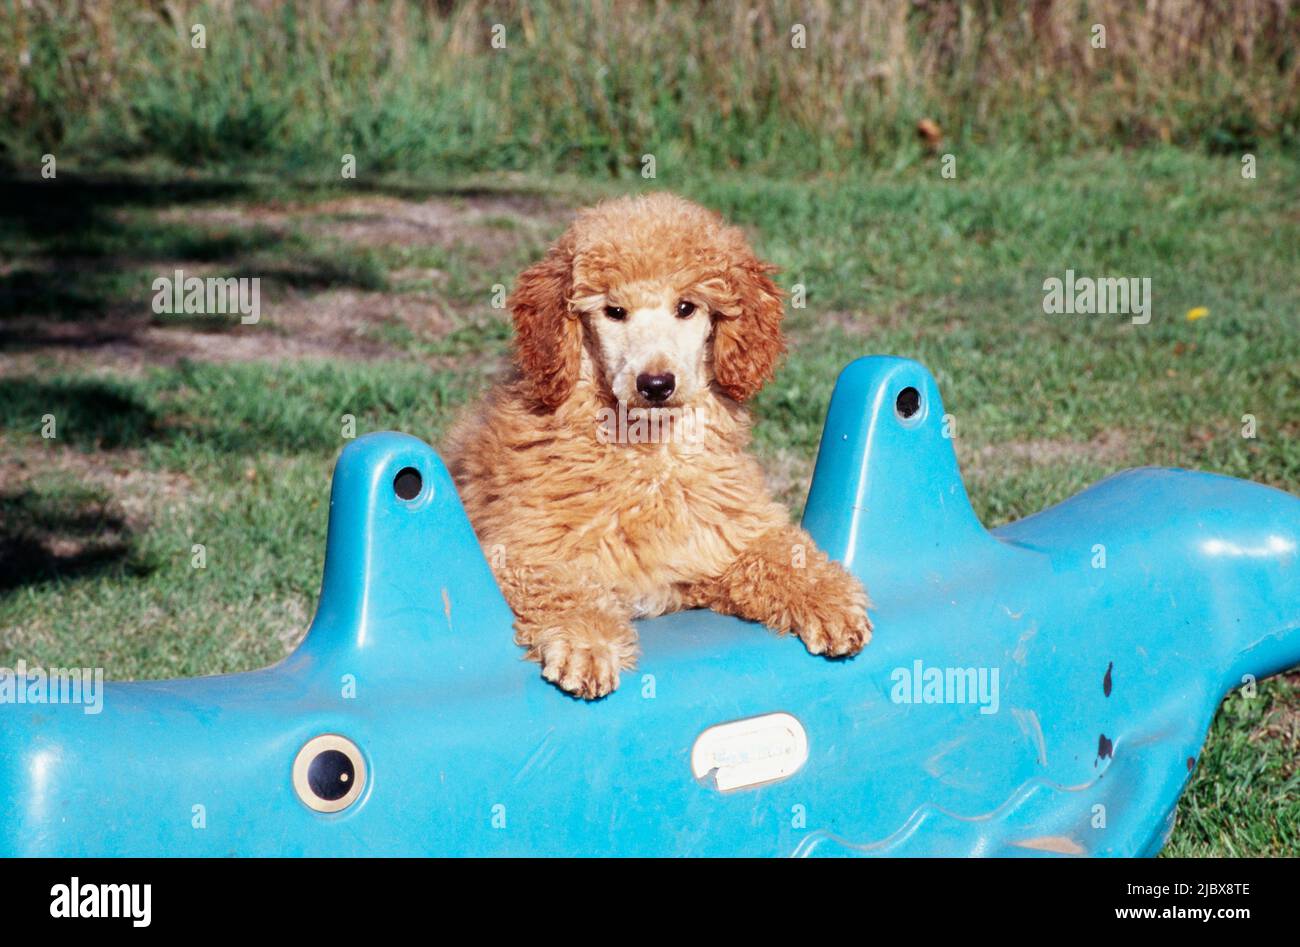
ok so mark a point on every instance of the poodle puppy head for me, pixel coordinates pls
(666, 300)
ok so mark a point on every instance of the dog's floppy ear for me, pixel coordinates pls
(548, 336)
(747, 338)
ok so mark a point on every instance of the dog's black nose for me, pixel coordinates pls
(656, 387)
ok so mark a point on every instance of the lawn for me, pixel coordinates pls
(377, 296)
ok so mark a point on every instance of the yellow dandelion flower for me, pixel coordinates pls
(1200, 312)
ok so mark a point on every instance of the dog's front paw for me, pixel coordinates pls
(583, 668)
(837, 625)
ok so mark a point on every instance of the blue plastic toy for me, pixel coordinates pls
(1044, 688)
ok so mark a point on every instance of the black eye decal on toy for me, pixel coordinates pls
(329, 773)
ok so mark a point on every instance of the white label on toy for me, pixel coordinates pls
(749, 752)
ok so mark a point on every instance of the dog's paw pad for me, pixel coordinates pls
(584, 670)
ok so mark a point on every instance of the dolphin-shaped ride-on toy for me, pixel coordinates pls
(1043, 688)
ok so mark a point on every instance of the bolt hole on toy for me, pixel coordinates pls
(908, 403)
(408, 483)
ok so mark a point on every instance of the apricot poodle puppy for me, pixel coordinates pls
(607, 478)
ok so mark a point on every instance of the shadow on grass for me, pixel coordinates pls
(240, 410)
(88, 255)
(91, 256)
(77, 260)
(524, 198)
(88, 414)
(61, 535)
(99, 415)
(31, 292)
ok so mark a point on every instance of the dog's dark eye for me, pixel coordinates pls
(617, 313)
(684, 309)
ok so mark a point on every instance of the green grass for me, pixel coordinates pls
(590, 87)
(155, 454)
(1242, 800)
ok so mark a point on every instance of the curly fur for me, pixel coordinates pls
(586, 532)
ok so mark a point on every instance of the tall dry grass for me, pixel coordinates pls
(591, 86)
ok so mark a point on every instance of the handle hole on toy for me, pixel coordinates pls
(408, 483)
(908, 403)
(329, 773)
